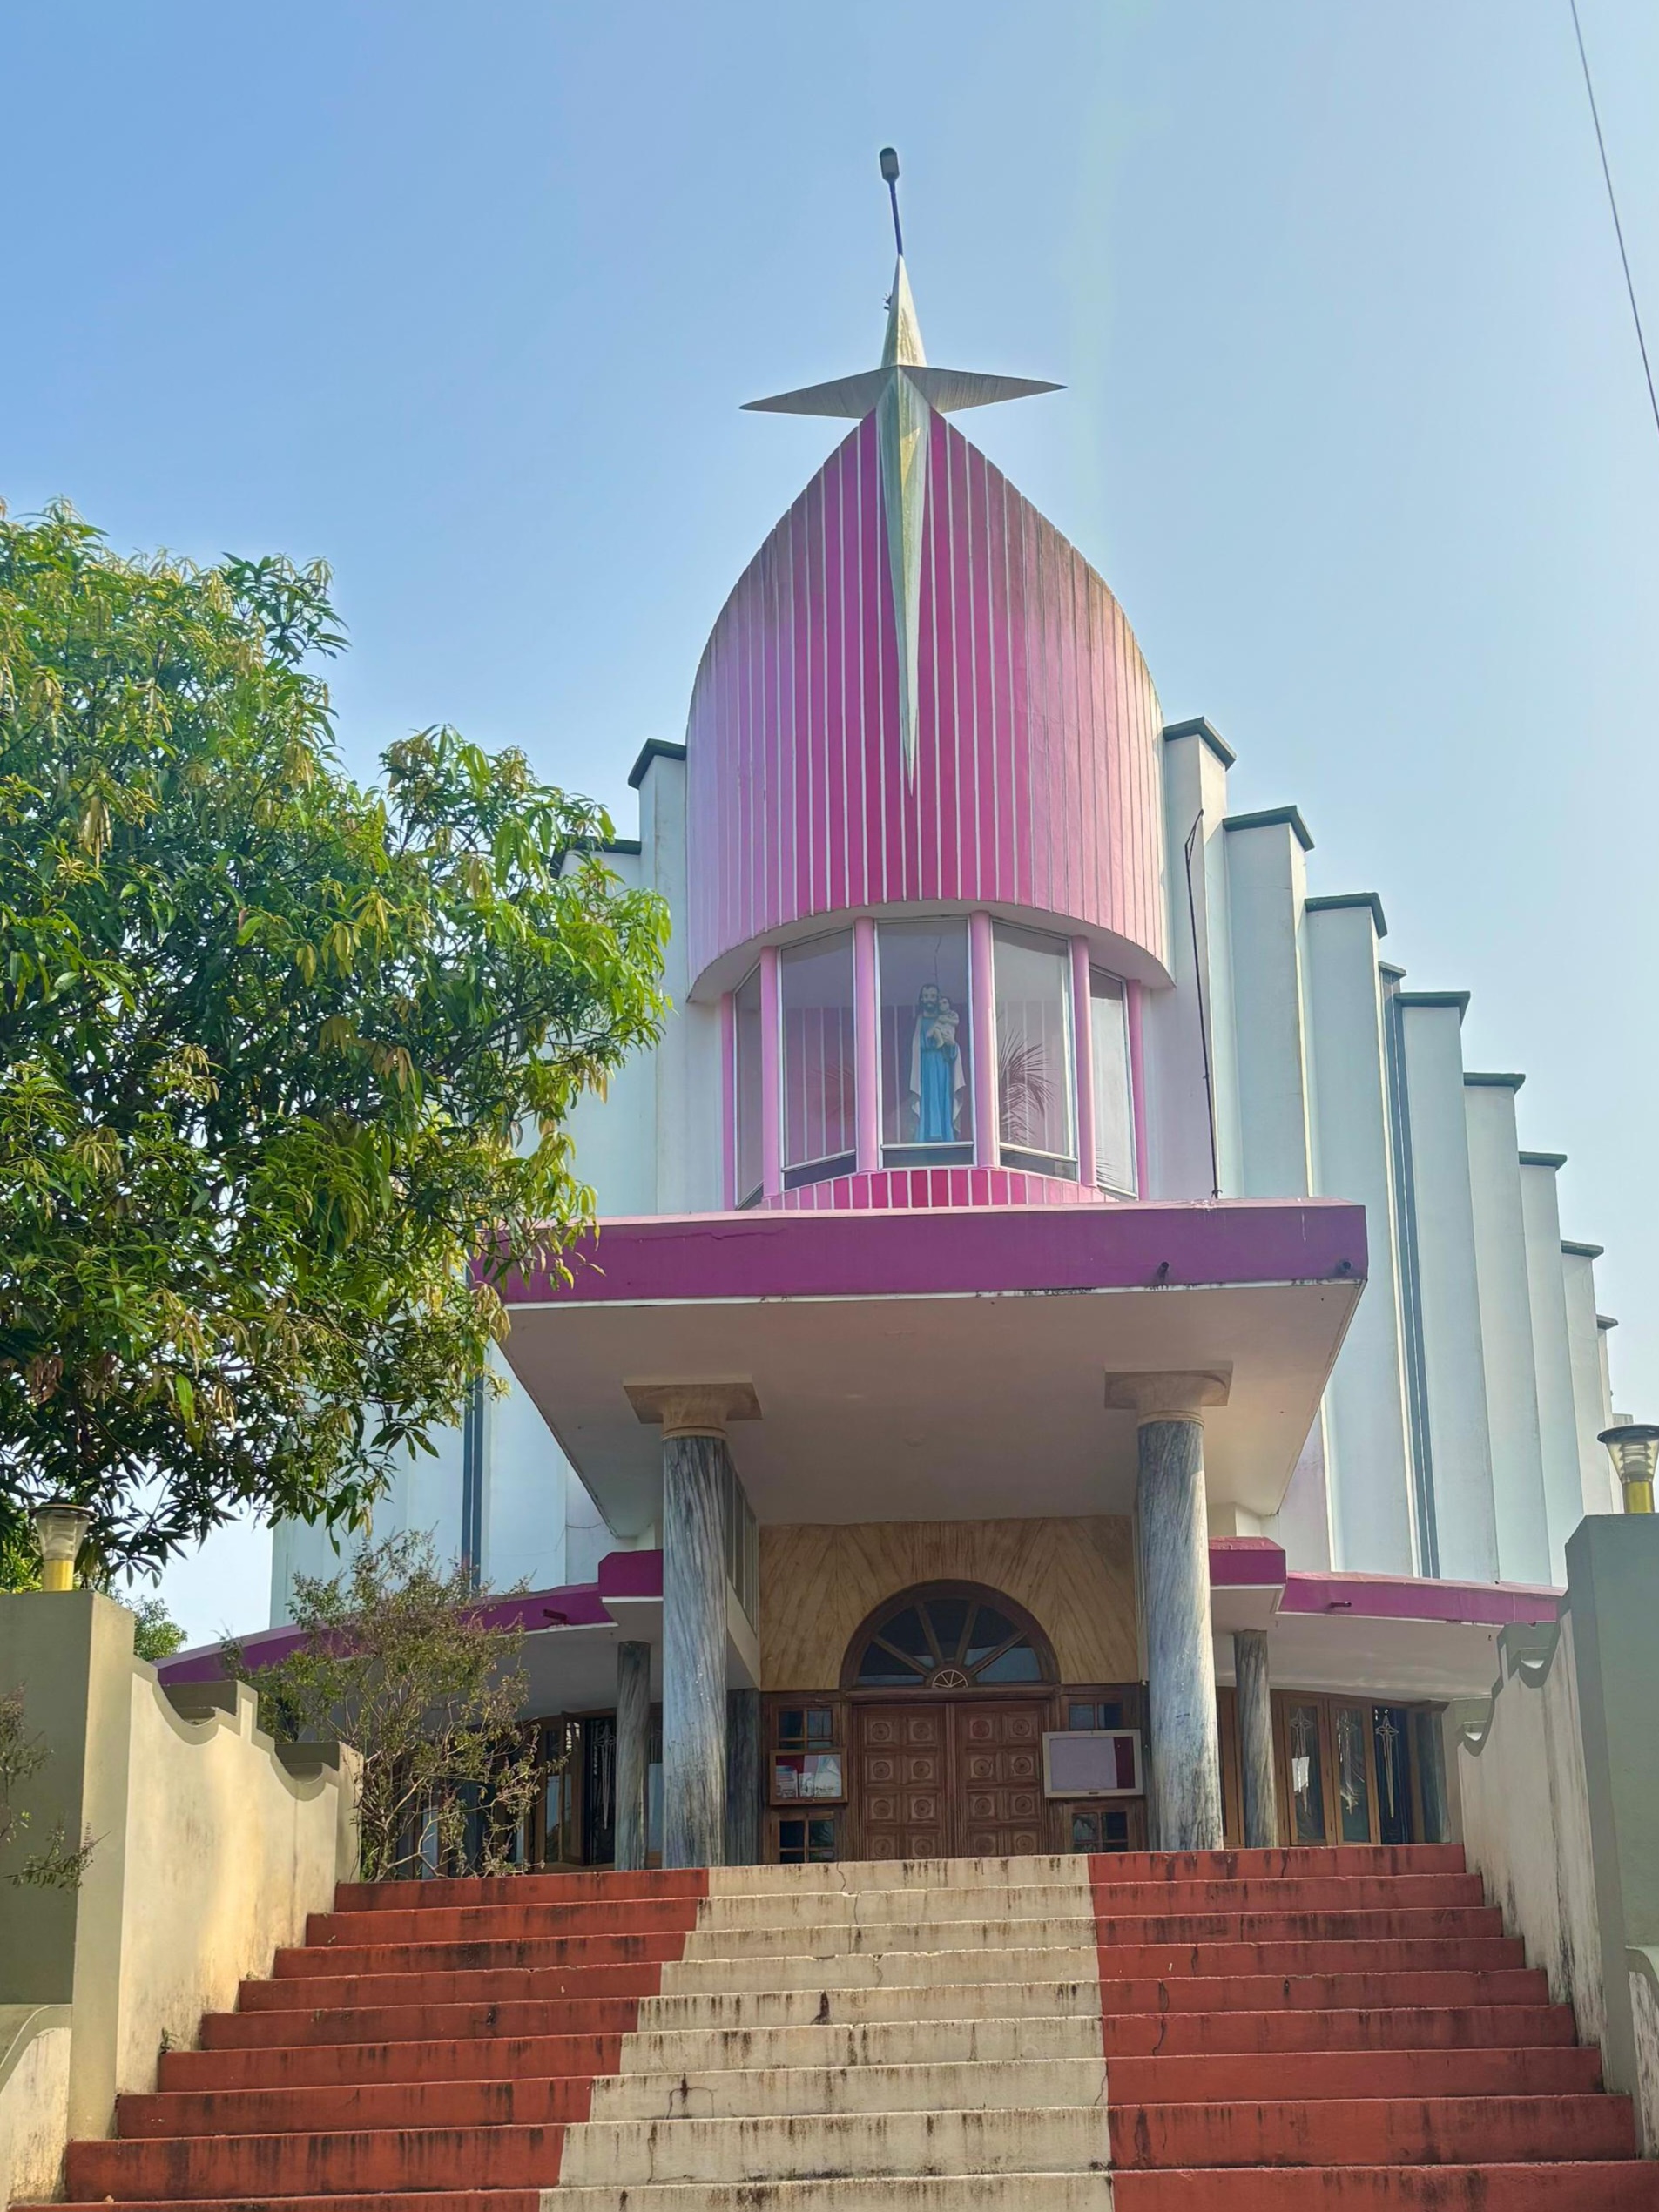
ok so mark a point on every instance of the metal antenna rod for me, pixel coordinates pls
(890, 171)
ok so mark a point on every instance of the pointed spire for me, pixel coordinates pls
(904, 394)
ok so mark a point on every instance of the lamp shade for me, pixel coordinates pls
(1634, 1448)
(60, 1530)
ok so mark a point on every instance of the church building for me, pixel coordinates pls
(1071, 1358)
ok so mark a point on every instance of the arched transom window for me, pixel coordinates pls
(947, 1636)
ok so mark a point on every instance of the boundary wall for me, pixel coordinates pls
(1555, 1781)
(211, 1846)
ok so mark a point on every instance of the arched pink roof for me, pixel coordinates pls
(1037, 783)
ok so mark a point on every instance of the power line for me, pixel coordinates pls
(1618, 227)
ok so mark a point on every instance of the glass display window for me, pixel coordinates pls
(1101, 1829)
(926, 1043)
(800, 1777)
(1036, 1123)
(818, 1058)
(801, 1727)
(1114, 1095)
(746, 1087)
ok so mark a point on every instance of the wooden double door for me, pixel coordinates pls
(956, 1778)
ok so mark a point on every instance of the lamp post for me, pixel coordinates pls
(60, 1530)
(1634, 1448)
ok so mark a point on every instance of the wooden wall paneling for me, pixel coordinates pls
(818, 1582)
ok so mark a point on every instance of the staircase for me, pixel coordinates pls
(1245, 2032)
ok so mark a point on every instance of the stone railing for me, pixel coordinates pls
(211, 1846)
(1556, 1780)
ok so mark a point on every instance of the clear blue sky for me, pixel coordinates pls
(465, 300)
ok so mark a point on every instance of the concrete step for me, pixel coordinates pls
(1075, 1930)
(881, 1968)
(1351, 1860)
(477, 2058)
(522, 1889)
(865, 2043)
(1048, 2139)
(1576, 2185)
(331, 2107)
(1033, 2192)
(1323, 1895)
(377, 2201)
(879, 1907)
(1372, 2131)
(314, 2165)
(818, 2004)
(728, 2092)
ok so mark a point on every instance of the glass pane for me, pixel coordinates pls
(746, 1078)
(1353, 1779)
(1113, 1104)
(820, 1725)
(1085, 1832)
(820, 1840)
(949, 1618)
(1393, 1774)
(905, 1634)
(1082, 1717)
(926, 1067)
(1307, 1778)
(791, 1727)
(1034, 1046)
(1114, 1831)
(816, 990)
(990, 1628)
(792, 1841)
(1019, 1664)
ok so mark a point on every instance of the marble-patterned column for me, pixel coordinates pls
(742, 1778)
(1172, 1538)
(1253, 1704)
(633, 1748)
(697, 1474)
(693, 1651)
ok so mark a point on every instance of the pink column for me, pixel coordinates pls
(729, 1100)
(772, 1089)
(981, 991)
(867, 1046)
(1083, 1053)
(1137, 1087)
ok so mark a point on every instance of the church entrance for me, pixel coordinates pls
(947, 1753)
(950, 1780)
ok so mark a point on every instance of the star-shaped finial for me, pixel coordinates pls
(902, 394)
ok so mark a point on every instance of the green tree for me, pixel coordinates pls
(285, 1063)
(400, 1662)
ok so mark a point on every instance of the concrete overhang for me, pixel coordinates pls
(949, 1364)
(1374, 1634)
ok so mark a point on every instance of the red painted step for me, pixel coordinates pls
(1631, 2186)
(448, 1986)
(502, 2157)
(1372, 2131)
(475, 2058)
(1262, 1992)
(1450, 1954)
(1205, 2077)
(260, 2030)
(648, 1949)
(1434, 2027)
(502, 2100)
(496, 1923)
(1435, 1923)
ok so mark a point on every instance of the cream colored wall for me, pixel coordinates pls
(226, 1852)
(1526, 1750)
(34, 2099)
(1076, 1578)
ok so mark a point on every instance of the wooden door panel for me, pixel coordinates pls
(903, 1768)
(1002, 1809)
